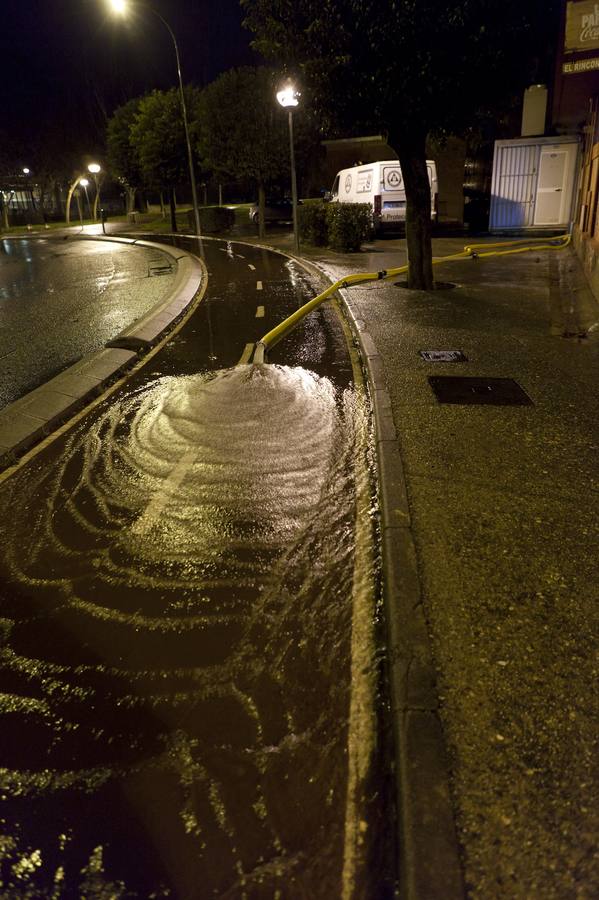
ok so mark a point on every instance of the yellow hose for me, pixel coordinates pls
(474, 251)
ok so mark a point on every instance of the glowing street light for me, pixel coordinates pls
(119, 7)
(26, 171)
(84, 182)
(288, 97)
(95, 168)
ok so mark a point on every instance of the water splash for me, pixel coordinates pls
(180, 613)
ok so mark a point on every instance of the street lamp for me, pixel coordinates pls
(288, 97)
(27, 172)
(95, 169)
(84, 183)
(120, 8)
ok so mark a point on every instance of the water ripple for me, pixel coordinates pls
(176, 616)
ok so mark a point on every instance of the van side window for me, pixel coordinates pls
(335, 188)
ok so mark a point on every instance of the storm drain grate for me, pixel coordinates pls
(478, 391)
(159, 268)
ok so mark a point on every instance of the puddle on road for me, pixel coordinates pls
(177, 618)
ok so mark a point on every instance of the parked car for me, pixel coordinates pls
(274, 211)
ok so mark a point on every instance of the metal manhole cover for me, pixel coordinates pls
(443, 355)
(479, 391)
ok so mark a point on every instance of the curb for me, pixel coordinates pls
(428, 852)
(35, 415)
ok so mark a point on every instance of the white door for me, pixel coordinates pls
(552, 186)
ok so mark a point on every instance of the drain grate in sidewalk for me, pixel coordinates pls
(158, 267)
(478, 391)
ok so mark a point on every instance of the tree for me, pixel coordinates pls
(406, 69)
(122, 155)
(243, 132)
(158, 139)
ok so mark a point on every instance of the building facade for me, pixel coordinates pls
(575, 111)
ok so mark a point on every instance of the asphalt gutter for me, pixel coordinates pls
(428, 854)
(38, 413)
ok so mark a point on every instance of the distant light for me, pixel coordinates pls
(118, 6)
(26, 171)
(288, 96)
(94, 168)
(84, 182)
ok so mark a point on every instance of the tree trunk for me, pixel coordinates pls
(411, 150)
(162, 209)
(131, 199)
(173, 208)
(72, 187)
(261, 205)
(96, 199)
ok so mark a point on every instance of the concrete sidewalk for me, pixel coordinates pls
(490, 523)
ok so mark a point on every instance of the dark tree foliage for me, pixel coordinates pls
(123, 158)
(244, 132)
(407, 69)
(158, 136)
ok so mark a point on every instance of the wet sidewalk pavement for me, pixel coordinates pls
(497, 547)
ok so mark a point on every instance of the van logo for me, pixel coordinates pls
(347, 184)
(392, 179)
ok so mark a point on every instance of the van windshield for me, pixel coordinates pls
(335, 188)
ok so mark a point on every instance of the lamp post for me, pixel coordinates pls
(27, 172)
(120, 7)
(95, 169)
(288, 97)
(84, 183)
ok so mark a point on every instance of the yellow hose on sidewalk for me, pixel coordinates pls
(472, 251)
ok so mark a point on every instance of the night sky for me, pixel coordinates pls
(67, 64)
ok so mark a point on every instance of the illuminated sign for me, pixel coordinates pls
(581, 65)
(582, 26)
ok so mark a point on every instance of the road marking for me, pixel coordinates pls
(260, 312)
(155, 507)
(241, 256)
(245, 356)
(258, 285)
(253, 268)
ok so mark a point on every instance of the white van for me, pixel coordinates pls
(381, 185)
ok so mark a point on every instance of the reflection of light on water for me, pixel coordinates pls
(181, 613)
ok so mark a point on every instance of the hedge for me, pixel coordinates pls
(313, 223)
(341, 226)
(348, 225)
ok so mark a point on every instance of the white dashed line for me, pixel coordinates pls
(245, 356)
(260, 312)
(153, 511)
(250, 266)
(258, 285)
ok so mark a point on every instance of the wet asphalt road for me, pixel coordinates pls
(61, 299)
(188, 660)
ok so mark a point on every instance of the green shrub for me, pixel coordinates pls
(213, 218)
(313, 223)
(348, 225)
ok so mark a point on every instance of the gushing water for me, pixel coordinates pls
(176, 644)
